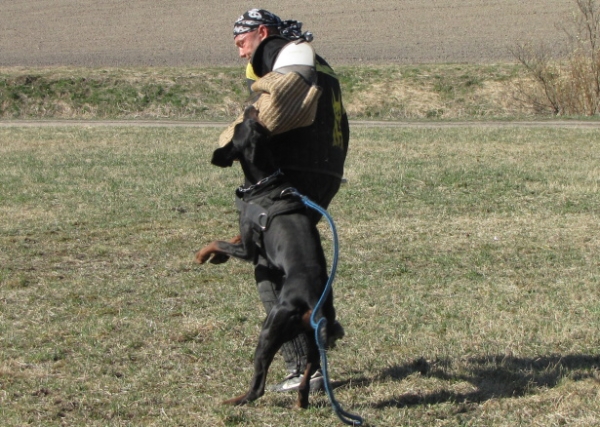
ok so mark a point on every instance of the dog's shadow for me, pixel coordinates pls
(492, 377)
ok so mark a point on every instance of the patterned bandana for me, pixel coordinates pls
(254, 18)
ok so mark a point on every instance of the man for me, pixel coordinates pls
(309, 143)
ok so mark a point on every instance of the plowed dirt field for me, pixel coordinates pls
(198, 32)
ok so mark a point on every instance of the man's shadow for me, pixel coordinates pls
(492, 377)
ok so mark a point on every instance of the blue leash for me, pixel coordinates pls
(345, 417)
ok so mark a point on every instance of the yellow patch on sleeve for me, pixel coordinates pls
(250, 74)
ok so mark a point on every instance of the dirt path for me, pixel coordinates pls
(400, 124)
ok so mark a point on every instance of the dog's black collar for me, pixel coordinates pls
(260, 183)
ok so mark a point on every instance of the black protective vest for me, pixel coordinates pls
(318, 148)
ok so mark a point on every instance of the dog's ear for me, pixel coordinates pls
(224, 156)
(255, 151)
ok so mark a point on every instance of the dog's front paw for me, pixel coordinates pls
(204, 254)
(201, 258)
(219, 259)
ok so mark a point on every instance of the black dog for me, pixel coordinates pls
(276, 223)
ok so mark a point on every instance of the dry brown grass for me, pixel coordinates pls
(383, 92)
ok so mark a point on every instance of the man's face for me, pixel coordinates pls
(247, 43)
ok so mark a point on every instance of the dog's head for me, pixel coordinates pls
(249, 137)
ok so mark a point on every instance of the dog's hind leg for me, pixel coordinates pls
(282, 323)
(304, 388)
(312, 362)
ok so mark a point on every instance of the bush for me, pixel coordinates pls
(567, 84)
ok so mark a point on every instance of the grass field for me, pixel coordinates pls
(390, 92)
(468, 281)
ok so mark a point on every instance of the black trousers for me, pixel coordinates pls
(320, 189)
